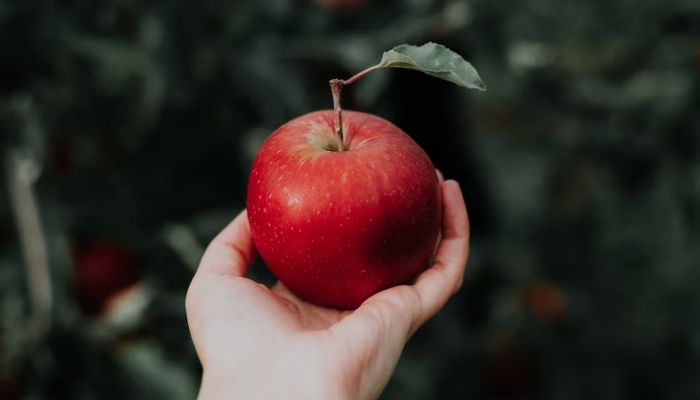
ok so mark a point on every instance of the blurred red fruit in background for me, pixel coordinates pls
(101, 270)
(545, 301)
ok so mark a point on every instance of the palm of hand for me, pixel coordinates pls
(249, 312)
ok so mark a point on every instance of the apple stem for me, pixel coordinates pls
(336, 88)
(360, 74)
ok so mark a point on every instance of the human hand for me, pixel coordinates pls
(260, 343)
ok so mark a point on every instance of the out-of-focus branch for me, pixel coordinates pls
(183, 241)
(22, 171)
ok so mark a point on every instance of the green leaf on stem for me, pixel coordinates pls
(435, 60)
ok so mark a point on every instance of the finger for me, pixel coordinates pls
(441, 180)
(437, 284)
(231, 251)
(440, 176)
(383, 322)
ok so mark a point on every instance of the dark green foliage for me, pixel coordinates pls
(581, 168)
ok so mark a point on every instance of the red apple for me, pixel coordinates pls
(337, 225)
(545, 301)
(102, 270)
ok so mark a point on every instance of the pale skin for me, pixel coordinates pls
(260, 343)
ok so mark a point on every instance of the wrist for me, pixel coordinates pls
(290, 386)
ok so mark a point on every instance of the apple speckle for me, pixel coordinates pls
(293, 200)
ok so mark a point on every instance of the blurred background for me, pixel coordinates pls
(127, 129)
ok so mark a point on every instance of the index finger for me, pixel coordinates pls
(437, 284)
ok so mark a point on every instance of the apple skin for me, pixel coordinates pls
(336, 227)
